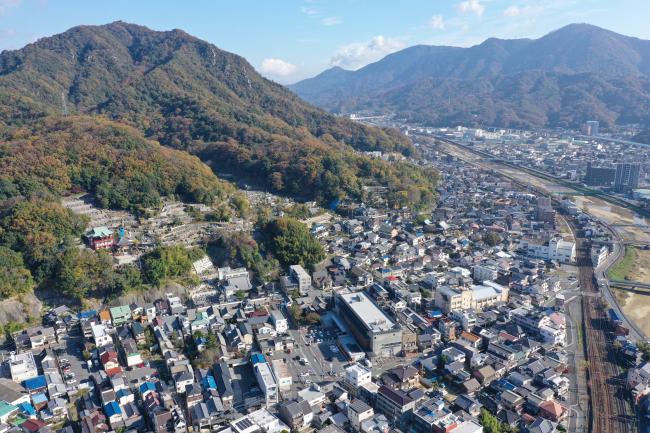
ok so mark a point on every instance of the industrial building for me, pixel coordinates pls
(375, 332)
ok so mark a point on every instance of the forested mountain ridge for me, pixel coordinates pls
(188, 94)
(577, 73)
(128, 114)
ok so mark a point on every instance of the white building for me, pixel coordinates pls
(555, 248)
(357, 375)
(598, 255)
(281, 373)
(485, 273)
(22, 366)
(301, 277)
(279, 321)
(267, 382)
(358, 411)
(101, 337)
(260, 419)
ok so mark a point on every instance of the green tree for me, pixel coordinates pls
(80, 272)
(15, 279)
(491, 238)
(291, 243)
(312, 319)
(166, 262)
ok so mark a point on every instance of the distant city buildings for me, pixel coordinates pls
(591, 127)
(627, 176)
(599, 176)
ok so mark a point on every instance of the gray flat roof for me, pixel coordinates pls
(366, 310)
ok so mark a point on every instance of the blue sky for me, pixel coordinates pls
(287, 40)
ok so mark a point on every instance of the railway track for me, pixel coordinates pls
(609, 408)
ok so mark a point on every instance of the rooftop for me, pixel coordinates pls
(366, 310)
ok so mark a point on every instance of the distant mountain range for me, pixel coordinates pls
(188, 94)
(577, 73)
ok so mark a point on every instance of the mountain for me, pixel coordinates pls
(188, 94)
(577, 73)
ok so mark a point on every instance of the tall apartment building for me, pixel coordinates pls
(627, 176)
(599, 176)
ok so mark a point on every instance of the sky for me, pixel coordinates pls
(289, 40)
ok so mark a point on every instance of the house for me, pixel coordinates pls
(395, 404)
(357, 412)
(297, 414)
(485, 374)
(100, 335)
(402, 377)
(224, 384)
(109, 360)
(120, 315)
(101, 238)
(469, 405)
(131, 353)
(511, 400)
(7, 411)
(113, 413)
(552, 410)
(137, 330)
(541, 425)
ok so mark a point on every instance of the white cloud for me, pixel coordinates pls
(277, 67)
(331, 21)
(309, 10)
(471, 6)
(358, 54)
(8, 33)
(5, 5)
(512, 11)
(437, 22)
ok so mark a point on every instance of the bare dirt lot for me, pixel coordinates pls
(641, 269)
(636, 307)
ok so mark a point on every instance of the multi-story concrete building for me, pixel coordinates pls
(22, 366)
(267, 382)
(375, 332)
(357, 375)
(280, 322)
(474, 297)
(555, 248)
(627, 176)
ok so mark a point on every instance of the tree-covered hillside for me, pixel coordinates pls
(112, 161)
(188, 94)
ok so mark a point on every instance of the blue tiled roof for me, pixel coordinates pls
(209, 382)
(35, 382)
(27, 408)
(39, 398)
(87, 314)
(257, 358)
(147, 386)
(112, 408)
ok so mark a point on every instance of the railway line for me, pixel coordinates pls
(609, 409)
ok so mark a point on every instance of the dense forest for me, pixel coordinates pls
(112, 161)
(190, 95)
(577, 73)
(130, 116)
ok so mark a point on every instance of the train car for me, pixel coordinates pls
(614, 317)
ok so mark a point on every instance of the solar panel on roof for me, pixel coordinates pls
(244, 424)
